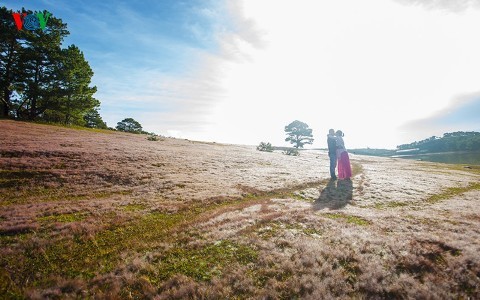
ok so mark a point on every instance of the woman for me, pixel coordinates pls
(344, 168)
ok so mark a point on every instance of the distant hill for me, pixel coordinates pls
(459, 141)
(453, 141)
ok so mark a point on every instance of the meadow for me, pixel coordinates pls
(108, 215)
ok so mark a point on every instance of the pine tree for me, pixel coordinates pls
(298, 134)
(74, 77)
(11, 40)
(40, 55)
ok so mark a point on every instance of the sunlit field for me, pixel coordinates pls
(101, 214)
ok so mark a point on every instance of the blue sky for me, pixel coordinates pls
(386, 72)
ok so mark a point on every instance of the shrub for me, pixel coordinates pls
(152, 137)
(292, 152)
(155, 137)
(266, 147)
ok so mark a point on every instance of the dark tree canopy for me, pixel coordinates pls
(39, 79)
(298, 134)
(94, 120)
(129, 125)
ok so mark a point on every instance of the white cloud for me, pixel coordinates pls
(460, 115)
(451, 5)
(366, 67)
(164, 103)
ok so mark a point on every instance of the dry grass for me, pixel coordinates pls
(93, 214)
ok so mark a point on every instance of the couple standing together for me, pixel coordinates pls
(337, 152)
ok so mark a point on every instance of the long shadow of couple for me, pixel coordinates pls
(335, 195)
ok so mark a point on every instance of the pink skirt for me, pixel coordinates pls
(344, 168)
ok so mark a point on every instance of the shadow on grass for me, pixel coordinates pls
(335, 195)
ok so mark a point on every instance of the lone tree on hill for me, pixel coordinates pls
(298, 134)
(129, 125)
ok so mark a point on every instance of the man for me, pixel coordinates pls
(332, 152)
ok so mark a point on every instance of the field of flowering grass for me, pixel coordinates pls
(101, 214)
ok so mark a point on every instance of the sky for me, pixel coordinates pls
(385, 72)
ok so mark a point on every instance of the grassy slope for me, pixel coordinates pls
(102, 214)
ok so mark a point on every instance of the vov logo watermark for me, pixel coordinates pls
(31, 21)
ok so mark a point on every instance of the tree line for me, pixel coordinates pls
(452, 141)
(42, 81)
